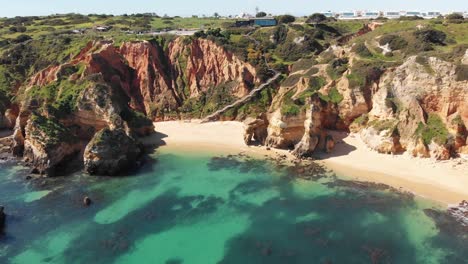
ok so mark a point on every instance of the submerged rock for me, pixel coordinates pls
(111, 152)
(2, 219)
(87, 201)
(460, 213)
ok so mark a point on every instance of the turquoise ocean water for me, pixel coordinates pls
(185, 208)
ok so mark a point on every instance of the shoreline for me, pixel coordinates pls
(441, 181)
(444, 182)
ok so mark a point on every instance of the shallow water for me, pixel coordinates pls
(184, 208)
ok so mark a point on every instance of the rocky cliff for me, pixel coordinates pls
(418, 105)
(165, 79)
(111, 152)
(118, 88)
(421, 107)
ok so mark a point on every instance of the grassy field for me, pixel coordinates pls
(49, 25)
(189, 23)
(456, 36)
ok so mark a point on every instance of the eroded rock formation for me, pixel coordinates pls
(111, 152)
(47, 145)
(255, 130)
(420, 106)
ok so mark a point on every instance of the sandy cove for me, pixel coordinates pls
(442, 181)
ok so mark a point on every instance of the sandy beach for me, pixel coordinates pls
(220, 137)
(442, 181)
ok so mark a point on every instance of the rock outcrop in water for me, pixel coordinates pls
(111, 152)
(2, 219)
(460, 213)
(47, 145)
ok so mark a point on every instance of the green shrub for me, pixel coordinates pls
(335, 96)
(362, 50)
(410, 18)
(434, 130)
(280, 34)
(457, 121)
(317, 82)
(55, 131)
(290, 109)
(381, 125)
(453, 54)
(327, 56)
(455, 18)
(431, 36)
(336, 68)
(21, 38)
(309, 92)
(361, 120)
(365, 72)
(288, 106)
(291, 80)
(356, 80)
(394, 42)
(286, 19)
(135, 119)
(303, 64)
(61, 97)
(312, 71)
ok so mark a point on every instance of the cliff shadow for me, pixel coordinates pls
(155, 140)
(5, 132)
(341, 147)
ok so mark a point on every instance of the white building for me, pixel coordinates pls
(245, 15)
(392, 14)
(370, 14)
(433, 14)
(388, 14)
(413, 13)
(348, 15)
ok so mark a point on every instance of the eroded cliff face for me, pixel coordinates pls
(48, 145)
(62, 107)
(111, 152)
(165, 79)
(201, 65)
(117, 88)
(298, 118)
(421, 107)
